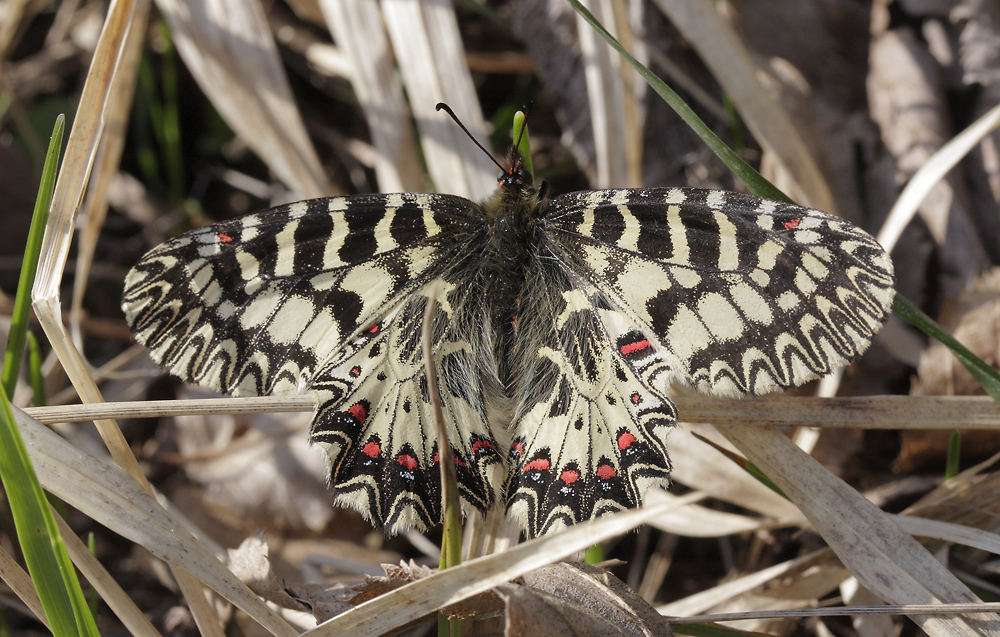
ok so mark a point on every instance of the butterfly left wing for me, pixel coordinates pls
(376, 423)
(256, 305)
(329, 294)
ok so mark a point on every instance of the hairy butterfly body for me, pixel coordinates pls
(557, 328)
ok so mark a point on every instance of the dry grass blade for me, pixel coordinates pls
(610, 97)
(102, 581)
(701, 466)
(357, 28)
(700, 602)
(720, 48)
(419, 598)
(228, 47)
(13, 12)
(19, 582)
(957, 533)
(926, 609)
(158, 408)
(871, 412)
(96, 206)
(108, 495)
(885, 560)
(696, 521)
(924, 180)
(427, 44)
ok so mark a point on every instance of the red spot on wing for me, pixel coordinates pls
(224, 238)
(355, 371)
(635, 398)
(482, 444)
(407, 461)
(372, 449)
(569, 476)
(436, 458)
(517, 449)
(606, 472)
(539, 464)
(358, 411)
(791, 225)
(625, 440)
(374, 329)
(631, 348)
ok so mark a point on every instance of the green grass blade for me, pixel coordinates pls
(48, 562)
(22, 301)
(985, 375)
(753, 179)
(523, 142)
(44, 552)
(39, 397)
(954, 458)
(5, 102)
(594, 555)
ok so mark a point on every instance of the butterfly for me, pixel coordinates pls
(557, 327)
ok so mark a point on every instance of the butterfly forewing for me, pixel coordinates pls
(744, 295)
(256, 305)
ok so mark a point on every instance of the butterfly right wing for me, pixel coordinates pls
(747, 295)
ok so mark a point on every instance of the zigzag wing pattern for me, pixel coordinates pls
(375, 420)
(745, 295)
(590, 433)
(557, 327)
(256, 305)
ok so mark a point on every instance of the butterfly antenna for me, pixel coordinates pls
(447, 109)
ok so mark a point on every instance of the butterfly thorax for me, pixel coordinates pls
(513, 234)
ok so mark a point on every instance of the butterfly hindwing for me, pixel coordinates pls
(744, 294)
(590, 433)
(375, 419)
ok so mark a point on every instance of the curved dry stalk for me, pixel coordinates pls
(110, 153)
(926, 178)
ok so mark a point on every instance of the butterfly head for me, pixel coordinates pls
(514, 175)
